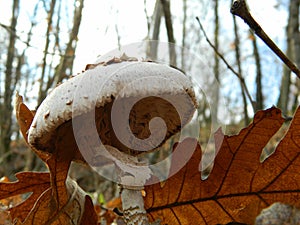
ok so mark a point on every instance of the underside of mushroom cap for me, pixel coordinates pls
(122, 97)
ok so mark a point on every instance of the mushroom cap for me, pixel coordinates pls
(119, 94)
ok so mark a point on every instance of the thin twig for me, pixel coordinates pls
(239, 8)
(228, 65)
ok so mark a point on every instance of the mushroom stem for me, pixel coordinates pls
(133, 208)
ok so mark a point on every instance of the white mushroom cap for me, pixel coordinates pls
(99, 86)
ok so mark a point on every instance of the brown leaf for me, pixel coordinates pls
(24, 115)
(59, 163)
(27, 182)
(78, 209)
(39, 208)
(112, 212)
(66, 203)
(56, 199)
(89, 216)
(114, 203)
(239, 186)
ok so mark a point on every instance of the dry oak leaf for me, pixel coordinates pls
(239, 186)
(72, 213)
(28, 182)
(23, 114)
(39, 207)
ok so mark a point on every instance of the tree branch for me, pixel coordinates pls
(239, 8)
(242, 80)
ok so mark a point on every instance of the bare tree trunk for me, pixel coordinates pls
(157, 20)
(169, 27)
(183, 44)
(148, 19)
(65, 66)
(294, 13)
(259, 95)
(214, 110)
(285, 85)
(292, 39)
(57, 28)
(6, 108)
(118, 36)
(42, 92)
(296, 31)
(157, 14)
(238, 59)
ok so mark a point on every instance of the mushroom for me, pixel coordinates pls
(115, 111)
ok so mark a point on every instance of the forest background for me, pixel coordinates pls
(44, 42)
